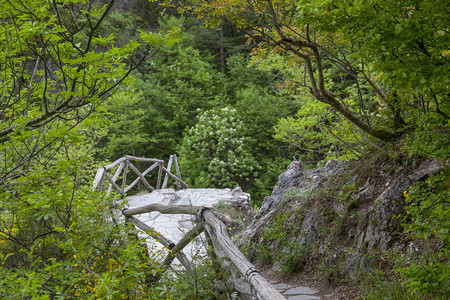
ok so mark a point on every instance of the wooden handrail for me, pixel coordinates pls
(178, 179)
(164, 209)
(129, 157)
(141, 177)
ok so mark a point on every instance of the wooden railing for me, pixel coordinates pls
(125, 166)
(216, 232)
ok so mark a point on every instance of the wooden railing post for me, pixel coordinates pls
(124, 177)
(217, 235)
(114, 185)
(163, 240)
(169, 168)
(158, 181)
(177, 170)
(102, 180)
(186, 239)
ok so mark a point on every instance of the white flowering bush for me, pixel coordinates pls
(214, 152)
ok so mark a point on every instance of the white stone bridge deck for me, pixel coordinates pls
(175, 226)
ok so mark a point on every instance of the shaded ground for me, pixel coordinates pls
(305, 286)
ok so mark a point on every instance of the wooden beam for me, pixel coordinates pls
(158, 181)
(163, 240)
(98, 179)
(177, 170)
(129, 157)
(186, 239)
(124, 177)
(177, 179)
(164, 209)
(116, 176)
(115, 163)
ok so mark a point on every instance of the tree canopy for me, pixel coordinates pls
(393, 54)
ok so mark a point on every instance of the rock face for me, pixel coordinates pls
(296, 178)
(345, 211)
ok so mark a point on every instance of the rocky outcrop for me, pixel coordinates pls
(345, 211)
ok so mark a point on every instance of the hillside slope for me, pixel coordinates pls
(342, 223)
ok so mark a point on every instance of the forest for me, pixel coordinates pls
(237, 89)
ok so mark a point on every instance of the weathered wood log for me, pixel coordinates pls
(124, 177)
(116, 176)
(177, 166)
(143, 174)
(186, 239)
(158, 181)
(138, 173)
(166, 176)
(98, 179)
(177, 179)
(129, 157)
(218, 233)
(162, 239)
(164, 209)
(114, 185)
(177, 170)
(115, 163)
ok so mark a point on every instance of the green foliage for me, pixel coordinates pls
(61, 242)
(427, 218)
(378, 286)
(428, 212)
(429, 139)
(319, 134)
(180, 80)
(200, 282)
(428, 278)
(176, 82)
(58, 69)
(125, 133)
(215, 153)
(381, 66)
(57, 237)
(406, 40)
(258, 106)
(425, 273)
(280, 243)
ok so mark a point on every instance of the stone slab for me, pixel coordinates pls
(303, 297)
(300, 290)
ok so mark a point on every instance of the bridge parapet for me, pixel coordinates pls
(124, 166)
